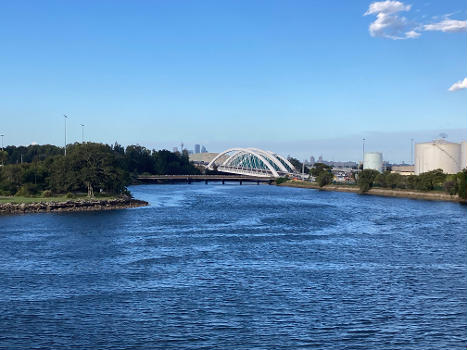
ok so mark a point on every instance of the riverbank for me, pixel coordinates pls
(70, 205)
(434, 196)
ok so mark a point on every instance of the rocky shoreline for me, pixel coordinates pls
(71, 205)
(433, 196)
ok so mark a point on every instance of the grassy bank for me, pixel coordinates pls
(63, 198)
(398, 193)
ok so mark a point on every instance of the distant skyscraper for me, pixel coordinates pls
(175, 149)
(197, 148)
(320, 159)
(312, 160)
(204, 150)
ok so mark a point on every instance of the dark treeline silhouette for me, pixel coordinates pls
(87, 167)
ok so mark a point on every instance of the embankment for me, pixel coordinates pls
(71, 206)
(434, 196)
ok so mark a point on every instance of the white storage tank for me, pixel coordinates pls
(373, 160)
(463, 155)
(438, 154)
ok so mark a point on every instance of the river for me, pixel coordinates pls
(237, 267)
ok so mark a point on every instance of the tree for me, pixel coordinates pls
(366, 179)
(318, 168)
(322, 173)
(462, 184)
(297, 164)
(88, 167)
(325, 178)
(3, 157)
(451, 184)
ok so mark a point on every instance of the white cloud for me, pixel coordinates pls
(387, 7)
(461, 84)
(412, 34)
(388, 23)
(447, 25)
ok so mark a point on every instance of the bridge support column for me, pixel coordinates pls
(257, 182)
(206, 181)
(223, 181)
(241, 182)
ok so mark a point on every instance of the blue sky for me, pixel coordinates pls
(297, 77)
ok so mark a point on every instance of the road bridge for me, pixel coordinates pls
(205, 178)
(252, 162)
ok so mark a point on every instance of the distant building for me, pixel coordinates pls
(312, 160)
(403, 169)
(203, 149)
(320, 159)
(175, 149)
(197, 148)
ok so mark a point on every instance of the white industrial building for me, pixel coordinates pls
(451, 157)
(373, 160)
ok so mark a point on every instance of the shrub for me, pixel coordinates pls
(281, 180)
(47, 193)
(27, 190)
(70, 195)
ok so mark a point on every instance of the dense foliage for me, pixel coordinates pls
(87, 167)
(429, 181)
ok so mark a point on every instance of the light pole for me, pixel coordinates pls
(82, 133)
(66, 117)
(411, 151)
(2, 140)
(363, 152)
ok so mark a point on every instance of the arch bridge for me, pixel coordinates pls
(252, 162)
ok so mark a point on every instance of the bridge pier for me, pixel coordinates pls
(206, 181)
(241, 182)
(223, 181)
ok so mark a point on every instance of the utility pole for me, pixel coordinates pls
(2, 140)
(82, 133)
(66, 117)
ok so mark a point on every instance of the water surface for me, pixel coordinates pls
(237, 267)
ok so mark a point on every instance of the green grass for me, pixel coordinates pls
(20, 199)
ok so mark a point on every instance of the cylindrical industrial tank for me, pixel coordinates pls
(373, 160)
(463, 155)
(438, 154)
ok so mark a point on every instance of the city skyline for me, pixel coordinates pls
(299, 78)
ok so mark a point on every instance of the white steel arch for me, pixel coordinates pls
(251, 161)
(286, 161)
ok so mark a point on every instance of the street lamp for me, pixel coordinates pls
(2, 140)
(411, 151)
(66, 117)
(82, 133)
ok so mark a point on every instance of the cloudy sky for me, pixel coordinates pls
(297, 77)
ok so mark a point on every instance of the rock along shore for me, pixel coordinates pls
(71, 205)
(433, 196)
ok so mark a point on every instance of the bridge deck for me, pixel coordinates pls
(204, 178)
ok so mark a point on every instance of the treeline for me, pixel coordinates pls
(87, 167)
(429, 181)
